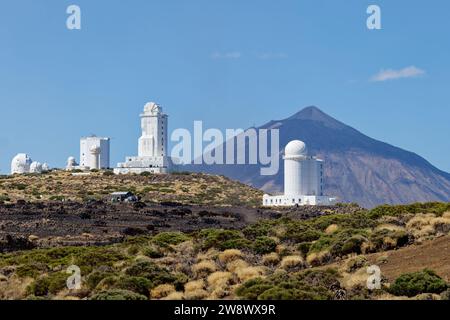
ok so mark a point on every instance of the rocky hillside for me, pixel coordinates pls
(357, 168)
(186, 188)
(325, 257)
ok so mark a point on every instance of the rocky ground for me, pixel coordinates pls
(25, 225)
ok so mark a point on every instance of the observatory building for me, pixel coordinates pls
(152, 147)
(94, 152)
(303, 179)
(22, 164)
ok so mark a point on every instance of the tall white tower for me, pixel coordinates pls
(303, 179)
(95, 152)
(153, 142)
(302, 174)
(152, 146)
(89, 159)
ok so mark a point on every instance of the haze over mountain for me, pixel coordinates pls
(357, 168)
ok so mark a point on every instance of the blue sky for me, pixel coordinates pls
(230, 63)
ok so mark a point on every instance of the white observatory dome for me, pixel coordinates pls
(152, 107)
(21, 164)
(45, 167)
(36, 167)
(295, 148)
(71, 162)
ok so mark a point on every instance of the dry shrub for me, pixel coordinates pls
(418, 221)
(271, 259)
(174, 296)
(290, 262)
(332, 228)
(230, 255)
(195, 290)
(162, 291)
(14, 288)
(441, 225)
(211, 254)
(185, 248)
(389, 227)
(389, 242)
(219, 279)
(219, 282)
(446, 215)
(280, 248)
(279, 231)
(204, 267)
(358, 278)
(236, 264)
(367, 247)
(318, 258)
(196, 294)
(248, 273)
(194, 285)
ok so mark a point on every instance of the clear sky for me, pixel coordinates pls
(230, 63)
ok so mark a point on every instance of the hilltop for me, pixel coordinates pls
(185, 188)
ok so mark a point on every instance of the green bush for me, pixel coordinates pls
(155, 274)
(46, 285)
(136, 284)
(222, 239)
(153, 253)
(412, 284)
(308, 285)
(165, 239)
(118, 294)
(93, 279)
(263, 245)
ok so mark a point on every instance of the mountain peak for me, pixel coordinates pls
(313, 113)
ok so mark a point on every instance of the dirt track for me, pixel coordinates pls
(434, 255)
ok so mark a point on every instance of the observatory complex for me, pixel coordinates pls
(22, 164)
(303, 179)
(152, 146)
(94, 154)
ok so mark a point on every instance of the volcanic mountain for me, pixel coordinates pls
(357, 168)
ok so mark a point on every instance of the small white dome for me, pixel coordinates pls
(295, 148)
(45, 167)
(21, 164)
(152, 107)
(71, 162)
(36, 167)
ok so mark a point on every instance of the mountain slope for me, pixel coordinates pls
(357, 168)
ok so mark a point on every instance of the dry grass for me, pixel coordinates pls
(174, 296)
(219, 279)
(245, 274)
(162, 291)
(195, 188)
(332, 228)
(13, 288)
(204, 267)
(271, 259)
(195, 290)
(318, 258)
(290, 262)
(236, 264)
(389, 227)
(229, 255)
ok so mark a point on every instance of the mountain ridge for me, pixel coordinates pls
(358, 168)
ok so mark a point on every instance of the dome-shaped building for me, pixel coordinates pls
(20, 164)
(303, 179)
(36, 167)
